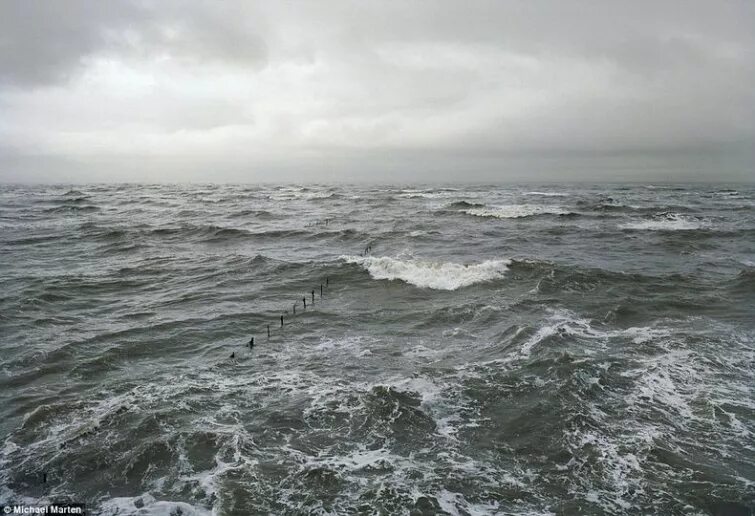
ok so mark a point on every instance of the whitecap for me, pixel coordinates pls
(516, 211)
(457, 504)
(148, 505)
(548, 194)
(429, 274)
(567, 323)
(667, 222)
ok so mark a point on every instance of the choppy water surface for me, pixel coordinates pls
(500, 350)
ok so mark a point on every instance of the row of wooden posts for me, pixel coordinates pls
(366, 251)
(282, 320)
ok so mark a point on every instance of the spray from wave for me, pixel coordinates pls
(429, 274)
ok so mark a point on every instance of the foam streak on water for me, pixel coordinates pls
(477, 349)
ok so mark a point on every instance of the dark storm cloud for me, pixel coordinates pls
(323, 86)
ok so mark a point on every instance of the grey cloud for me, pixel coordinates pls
(43, 42)
(290, 86)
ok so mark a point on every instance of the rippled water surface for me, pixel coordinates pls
(476, 350)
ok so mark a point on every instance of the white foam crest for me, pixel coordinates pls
(541, 334)
(295, 195)
(516, 211)
(617, 458)
(457, 505)
(567, 323)
(429, 274)
(444, 402)
(8, 496)
(561, 321)
(670, 383)
(361, 459)
(356, 346)
(147, 505)
(548, 194)
(732, 193)
(423, 194)
(419, 195)
(429, 391)
(669, 222)
(640, 334)
(422, 351)
(440, 401)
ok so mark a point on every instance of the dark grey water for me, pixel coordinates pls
(501, 350)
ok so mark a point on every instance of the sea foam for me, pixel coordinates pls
(666, 222)
(548, 194)
(429, 274)
(516, 211)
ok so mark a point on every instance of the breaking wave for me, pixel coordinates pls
(666, 221)
(429, 274)
(548, 194)
(516, 211)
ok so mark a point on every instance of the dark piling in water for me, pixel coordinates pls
(281, 321)
(304, 300)
(44, 477)
(313, 296)
(251, 343)
(268, 331)
(327, 280)
(320, 290)
(233, 355)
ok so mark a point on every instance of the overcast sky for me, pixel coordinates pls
(412, 91)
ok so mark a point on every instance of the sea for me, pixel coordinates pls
(524, 349)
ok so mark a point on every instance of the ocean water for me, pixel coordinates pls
(531, 349)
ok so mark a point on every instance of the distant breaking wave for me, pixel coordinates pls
(548, 194)
(428, 274)
(516, 211)
(666, 222)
